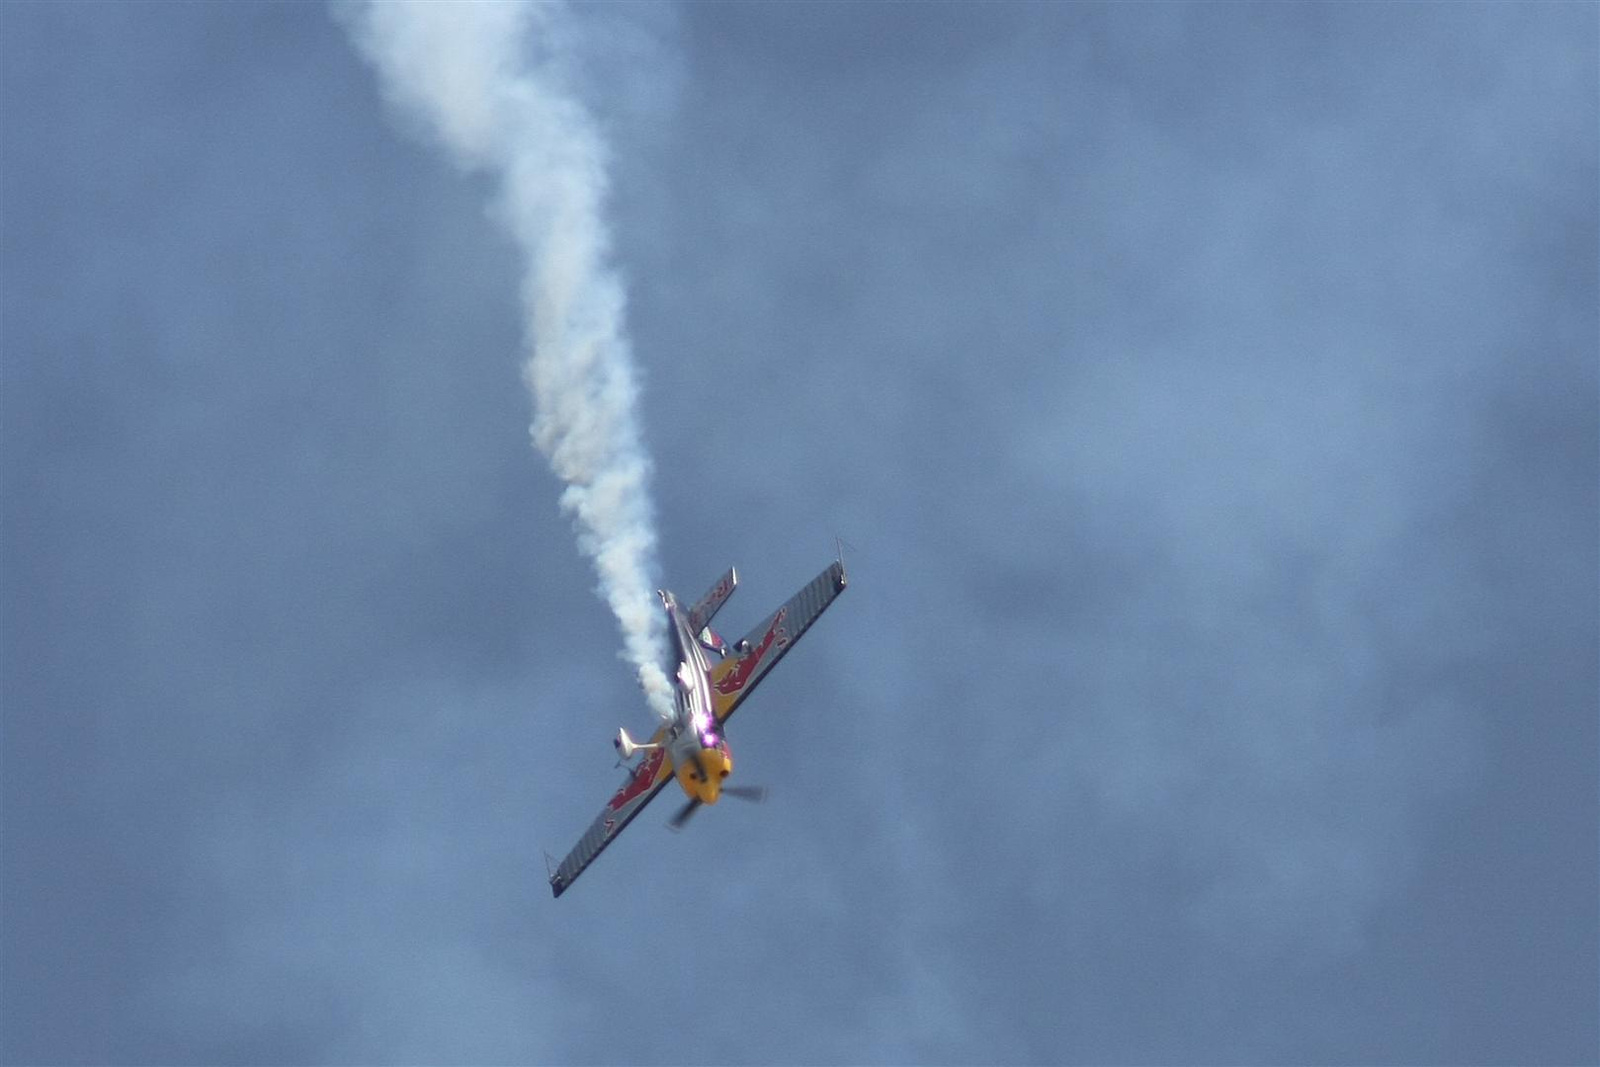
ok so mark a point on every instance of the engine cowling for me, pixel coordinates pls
(716, 762)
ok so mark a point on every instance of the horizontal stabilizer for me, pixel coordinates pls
(700, 615)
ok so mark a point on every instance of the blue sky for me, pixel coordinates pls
(1208, 395)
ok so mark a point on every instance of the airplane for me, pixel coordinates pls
(712, 680)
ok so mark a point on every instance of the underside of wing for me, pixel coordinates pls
(641, 786)
(760, 650)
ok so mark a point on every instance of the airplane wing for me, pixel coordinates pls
(643, 783)
(759, 651)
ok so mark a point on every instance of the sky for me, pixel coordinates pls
(1206, 396)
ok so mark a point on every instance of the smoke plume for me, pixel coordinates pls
(491, 81)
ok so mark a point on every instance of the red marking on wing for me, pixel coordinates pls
(641, 781)
(734, 680)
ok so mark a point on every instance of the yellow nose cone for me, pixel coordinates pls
(718, 764)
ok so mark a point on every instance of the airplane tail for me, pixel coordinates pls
(699, 616)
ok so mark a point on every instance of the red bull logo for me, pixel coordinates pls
(745, 666)
(640, 783)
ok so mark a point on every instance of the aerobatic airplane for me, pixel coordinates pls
(712, 680)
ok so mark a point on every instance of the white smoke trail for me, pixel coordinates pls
(490, 80)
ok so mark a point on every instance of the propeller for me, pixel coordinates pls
(755, 794)
(680, 820)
